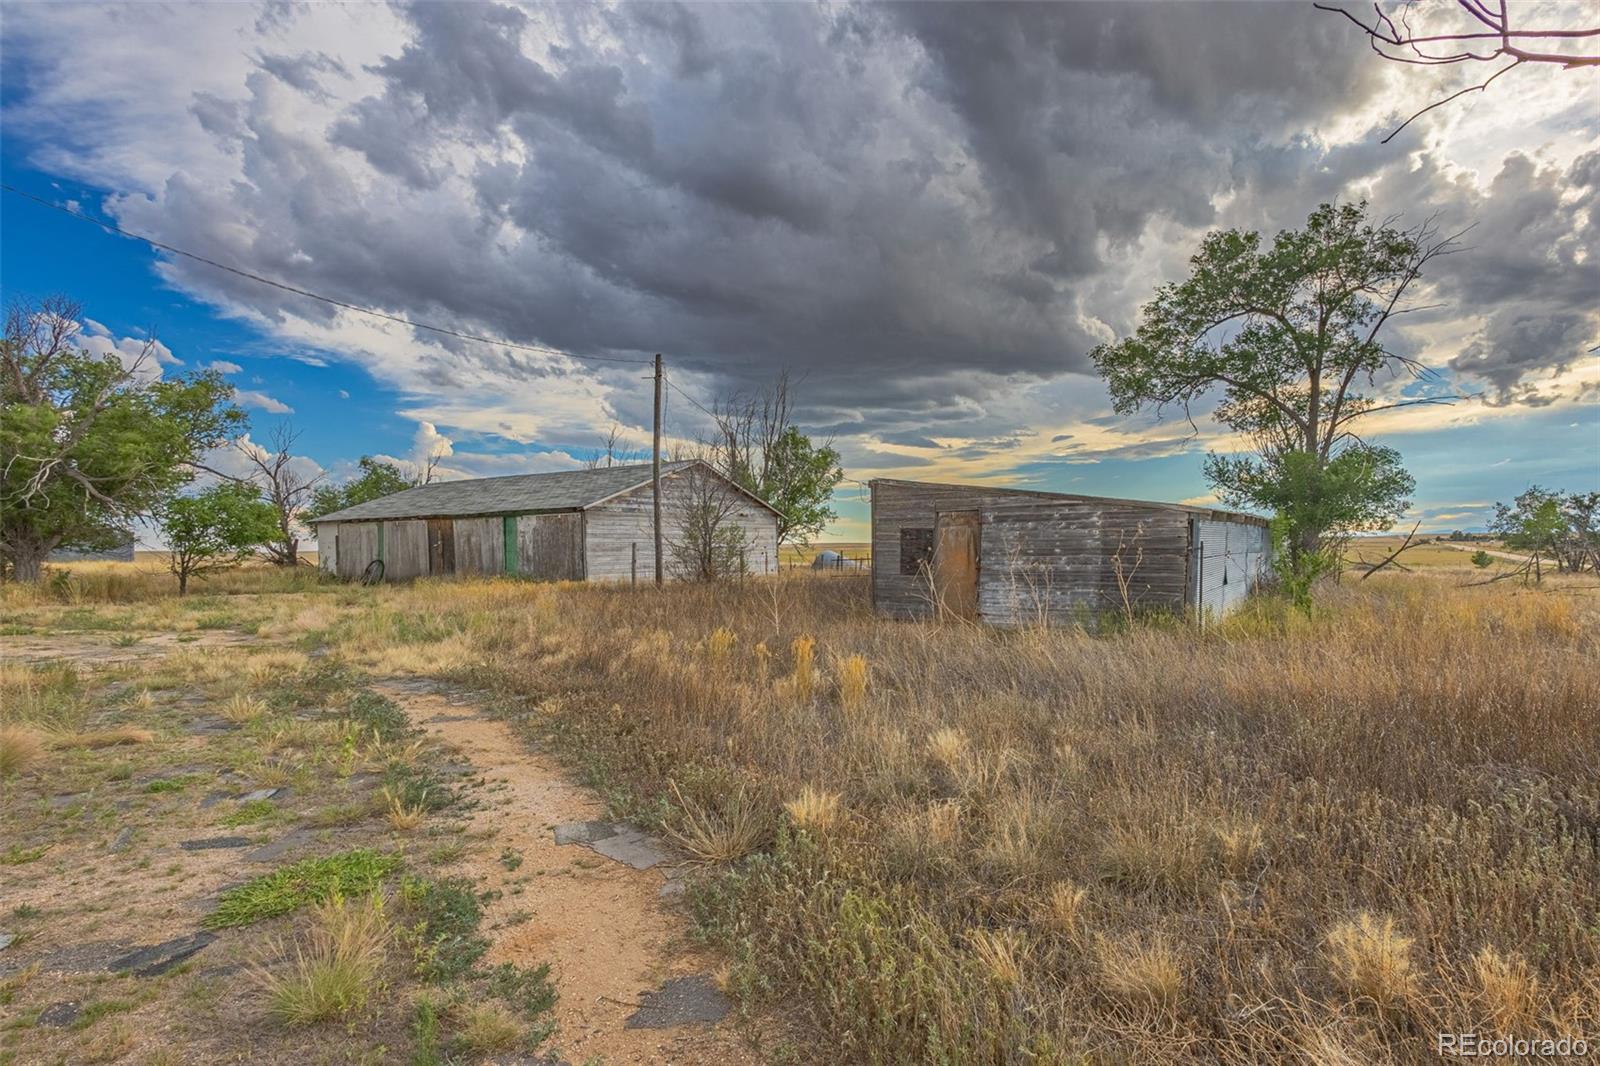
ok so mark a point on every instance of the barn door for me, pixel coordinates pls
(955, 563)
(441, 546)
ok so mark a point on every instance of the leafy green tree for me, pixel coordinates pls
(87, 444)
(761, 449)
(1481, 559)
(376, 479)
(216, 528)
(798, 482)
(1535, 523)
(1288, 338)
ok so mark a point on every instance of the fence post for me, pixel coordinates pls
(634, 568)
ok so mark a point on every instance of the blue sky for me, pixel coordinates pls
(931, 266)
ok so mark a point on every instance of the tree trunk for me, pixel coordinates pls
(183, 582)
(27, 565)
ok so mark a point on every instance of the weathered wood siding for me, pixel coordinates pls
(480, 546)
(901, 587)
(328, 547)
(1069, 562)
(405, 549)
(357, 547)
(614, 527)
(550, 546)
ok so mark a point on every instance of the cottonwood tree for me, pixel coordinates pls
(87, 443)
(1471, 32)
(377, 478)
(1548, 525)
(1290, 337)
(216, 528)
(761, 449)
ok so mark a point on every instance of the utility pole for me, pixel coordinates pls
(655, 470)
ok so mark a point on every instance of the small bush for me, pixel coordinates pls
(380, 715)
(441, 926)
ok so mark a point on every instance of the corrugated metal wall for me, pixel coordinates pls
(1228, 560)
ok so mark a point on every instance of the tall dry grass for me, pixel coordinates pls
(1161, 845)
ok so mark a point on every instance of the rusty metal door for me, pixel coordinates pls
(955, 563)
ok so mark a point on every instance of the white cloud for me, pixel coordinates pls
(261, 401)
(145, 356)
(222, 366)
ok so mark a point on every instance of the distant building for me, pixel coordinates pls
(1012, 557)
(575, 525)
(122, 553)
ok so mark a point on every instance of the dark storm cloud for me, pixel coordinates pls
(919, 205)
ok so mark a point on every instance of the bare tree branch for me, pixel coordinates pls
(1519, 45)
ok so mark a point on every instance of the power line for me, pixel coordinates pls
(691, 399)
(119, 231)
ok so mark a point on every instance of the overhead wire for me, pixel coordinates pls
(110, 227)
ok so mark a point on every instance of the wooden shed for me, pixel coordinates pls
(574, 525)
(1014, 557)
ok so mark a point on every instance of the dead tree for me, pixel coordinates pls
(1487, 31)
(1390, 559)
(705, 541)
(284, 483)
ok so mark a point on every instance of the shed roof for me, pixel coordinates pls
(564, 490)
(1040, 496)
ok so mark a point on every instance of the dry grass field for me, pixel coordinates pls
(1316, 839)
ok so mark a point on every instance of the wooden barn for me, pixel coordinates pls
(1012, 557)
(574, 525)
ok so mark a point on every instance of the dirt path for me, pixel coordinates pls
(1508, 556)
(614, 940)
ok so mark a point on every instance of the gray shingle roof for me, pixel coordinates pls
(565, 490)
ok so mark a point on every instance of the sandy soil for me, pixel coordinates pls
(603, 926)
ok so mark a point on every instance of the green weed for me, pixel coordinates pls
(352, 873)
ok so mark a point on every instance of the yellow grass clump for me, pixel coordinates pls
(1372, 961)
(802, 676)
(851, 671)
(814, 809)
(329, 970)
(19, 749)
(1145, 973)
(402, 815)
(1507, 989)
(241, 709)
(115, 736)
(720, 644)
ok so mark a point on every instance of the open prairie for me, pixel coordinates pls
(324, 814)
